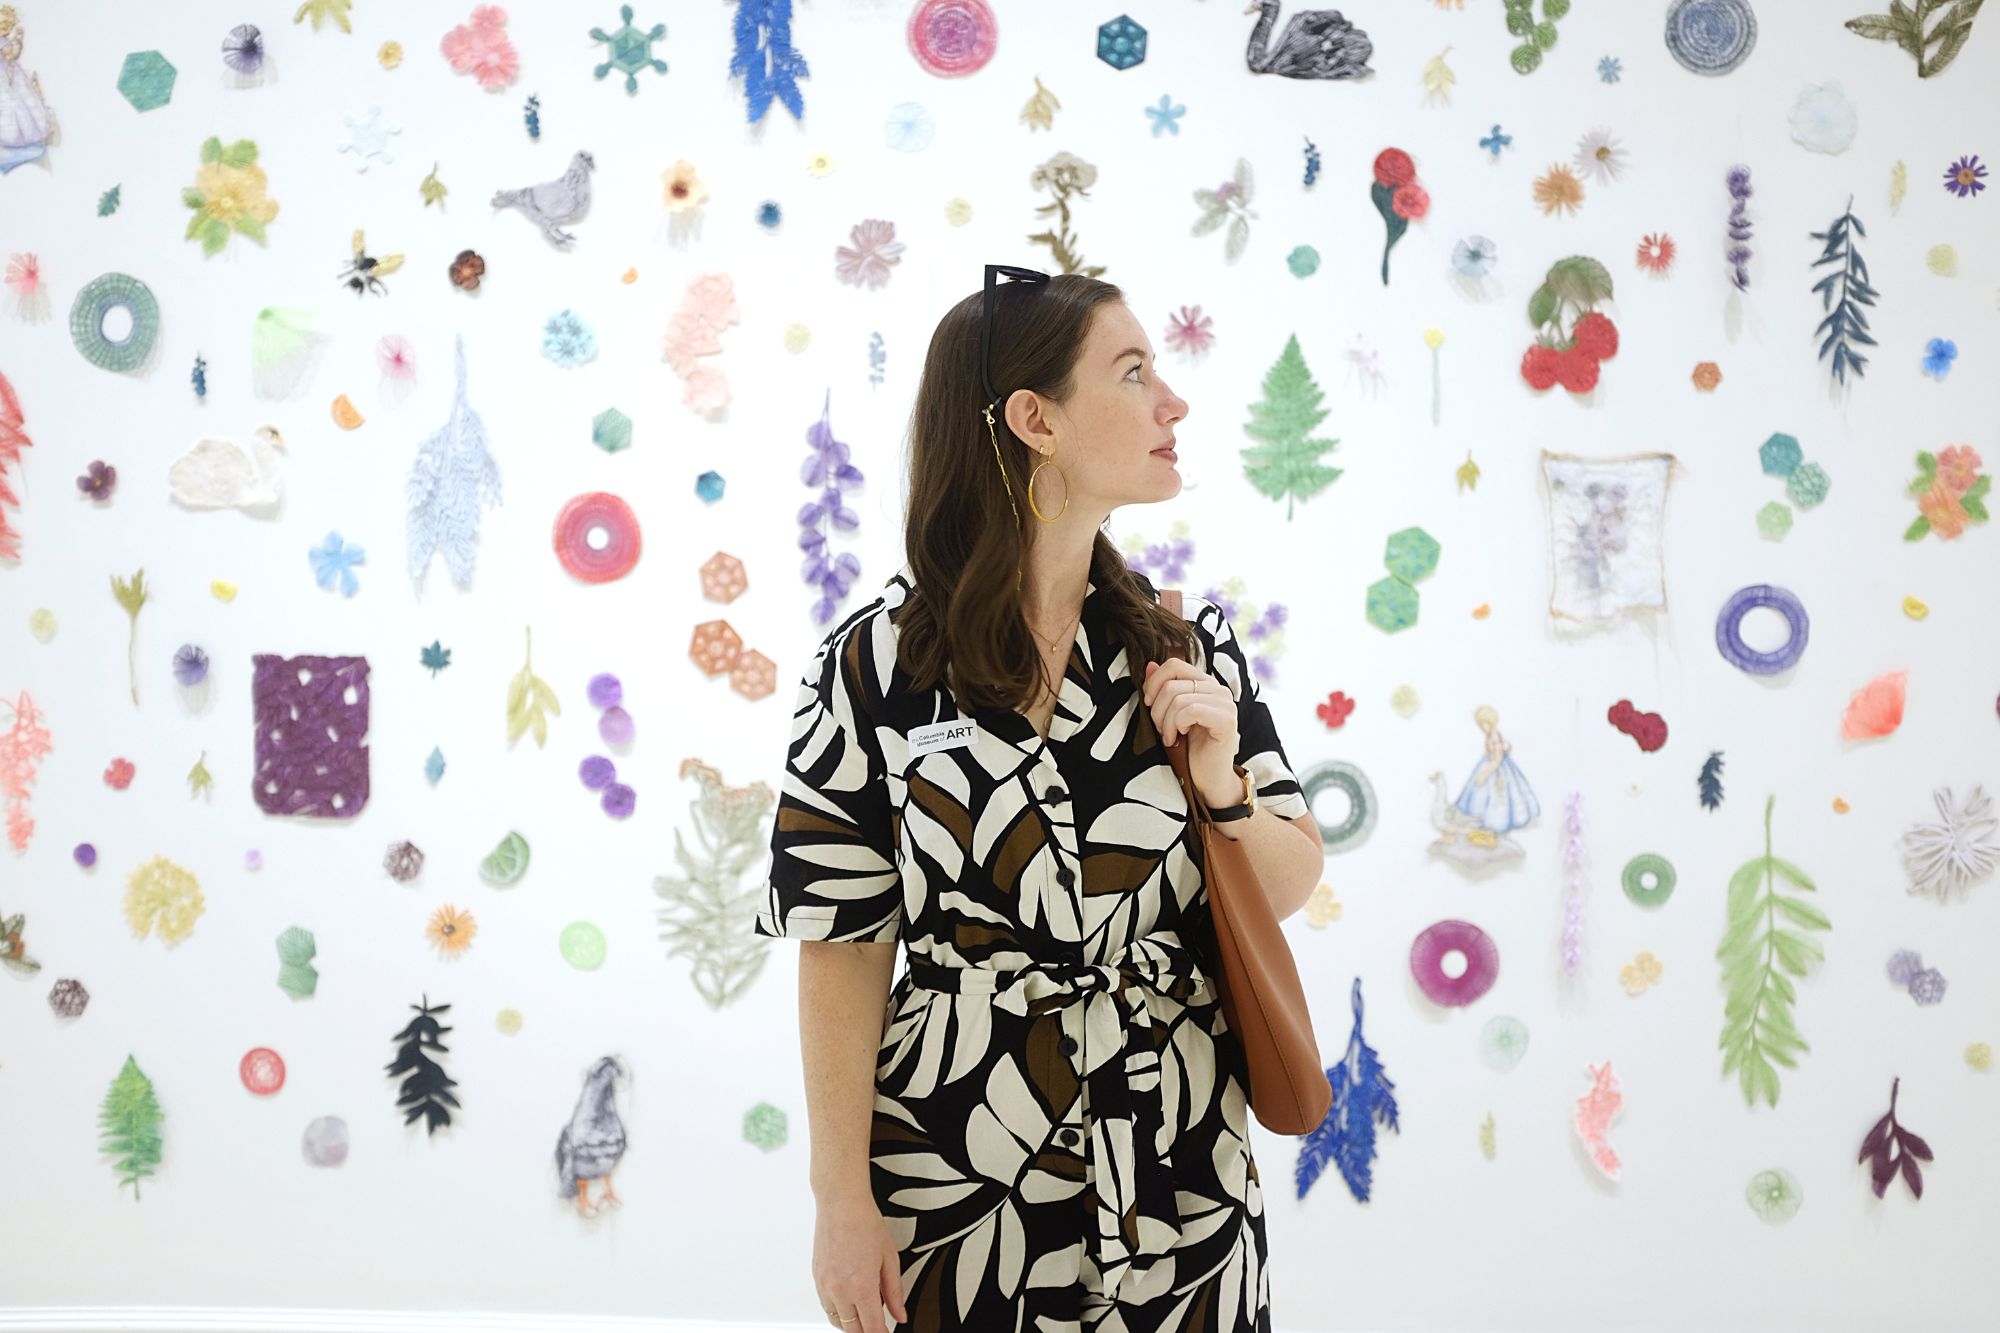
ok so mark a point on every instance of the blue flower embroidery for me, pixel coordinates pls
(1166, 116)
(567, 340)
(1609, 69)
(1939, 353)
(1495, 141)
(335, 558)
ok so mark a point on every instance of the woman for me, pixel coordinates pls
(1042, 1125)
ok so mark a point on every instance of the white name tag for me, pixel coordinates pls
(943, 736)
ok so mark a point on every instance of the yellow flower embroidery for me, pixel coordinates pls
(228, 195)
(1640, 973)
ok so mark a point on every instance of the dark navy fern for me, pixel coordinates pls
(1363, 1097)
(770, 67)
(1842, 294)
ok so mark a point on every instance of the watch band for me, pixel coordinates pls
(1242, 810)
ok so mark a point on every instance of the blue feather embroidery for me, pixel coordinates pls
(772, 68)
(1362, 1098)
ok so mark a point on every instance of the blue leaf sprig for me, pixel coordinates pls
(1843, 293)
(827, 467)
(765, 58)
(1362, 1098)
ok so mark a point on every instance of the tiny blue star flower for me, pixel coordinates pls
(1166, 116)
(1609, 68)
(1495, 141)
(336, 559)
(1939, 353)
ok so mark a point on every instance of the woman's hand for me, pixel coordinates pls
(1186, 701)
(855, 1265)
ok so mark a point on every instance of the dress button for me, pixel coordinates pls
(1067, 1045)
(1069, 1137)
(1058, 794)
(1065, 876)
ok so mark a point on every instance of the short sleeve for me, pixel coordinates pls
(832, 875)
(1259, 750)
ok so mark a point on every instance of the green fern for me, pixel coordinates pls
(131, 1120)
(1756, 952)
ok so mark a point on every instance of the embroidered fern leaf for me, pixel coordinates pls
(1362, 1098)
(527, 696)
(1710, 781)
(1843, 293)
(1756, 953)
(130, 1123)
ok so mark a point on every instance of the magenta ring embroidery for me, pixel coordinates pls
(952, 37)
(1482, 962)
(1729, 630)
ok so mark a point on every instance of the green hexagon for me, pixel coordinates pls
(764, 1125)
(147, 80)
(1412, 554)
(1808, 485)
(1392, 605)
(611, 430)
(1780, 456)
(1774, 520)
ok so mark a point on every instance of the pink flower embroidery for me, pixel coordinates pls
(394, 357)
(24, 275)
(1188, 331)
(1958, 468)
(1410, 201)
(875, 250)
(1942, 508)
(481, 48)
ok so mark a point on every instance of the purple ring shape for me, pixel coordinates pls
(952, 37)
(1729, 633)
(1482, 962)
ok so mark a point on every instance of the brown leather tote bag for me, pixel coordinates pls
(1262, 997)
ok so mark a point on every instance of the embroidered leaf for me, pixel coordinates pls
(431, 188)
(426, 1090)
(1843, 293)
(527, 696)
(437, 657)
(107, 203)
(1757, 1021)
(1710, 781)
(1286, 466)
(325, 9)
(130, 1124)
(451, 477)
(1889, 1149)
(1905, 27)
(1362, 1098)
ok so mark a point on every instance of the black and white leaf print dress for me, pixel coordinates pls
(1060, 1136)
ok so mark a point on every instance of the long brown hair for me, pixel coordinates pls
(962, 624)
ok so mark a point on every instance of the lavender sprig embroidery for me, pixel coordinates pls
(827, 468)
(1572, 931)
(1739, 227)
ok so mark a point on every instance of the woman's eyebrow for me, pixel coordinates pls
(1130, 351)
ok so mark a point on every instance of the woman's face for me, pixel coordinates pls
(1105, 436)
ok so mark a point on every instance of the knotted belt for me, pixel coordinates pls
(1136, 1218)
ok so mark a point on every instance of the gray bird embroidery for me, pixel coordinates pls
(591, 1144)
(554, 202)
(1316, 44)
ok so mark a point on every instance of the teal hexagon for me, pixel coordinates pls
(1808, 485)
(1774, 520)
(1392, 605)
(1412, 554)
(709, 486)
(765, 1126)
(1780, 456)
(611, 430)
(147, 80)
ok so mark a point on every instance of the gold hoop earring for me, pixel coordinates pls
(1031, 491)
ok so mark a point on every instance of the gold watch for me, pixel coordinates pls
(1246, 808)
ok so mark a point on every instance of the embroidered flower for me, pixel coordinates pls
(1599, 156)
(24, 276)
(482, 48)
(1064, 172)
(99, 482)
(1965, 177)
(1941, 506)
(118, 774)
(1610, 69)
(395, 357)
(1335, 711)
(1410, 201)
(874, 252)
(335, 559)
(1939, 353)
(567, 340)
(451, 931)
(1958, 467)
(1823, 120)
(1394, 168)
(684, 189)
(1473, 257)
(1189, 331)
(1558, 190)
(819, 164)
(467, 269)
(1656, 252)
(228, 195)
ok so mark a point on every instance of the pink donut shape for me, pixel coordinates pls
(585, 514)
(951, 38)
(1482, 962)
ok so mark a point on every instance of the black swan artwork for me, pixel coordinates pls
(1317, 44)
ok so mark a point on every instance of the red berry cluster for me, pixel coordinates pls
(1594, 339)
(1648, 729)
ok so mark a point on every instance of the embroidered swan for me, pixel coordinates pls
(219, 474)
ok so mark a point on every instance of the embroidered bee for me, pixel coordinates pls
(366, 272)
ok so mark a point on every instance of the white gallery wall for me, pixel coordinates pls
(717, 1223)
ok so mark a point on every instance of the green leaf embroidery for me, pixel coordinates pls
(240, 154)
(437, 657)
(527, 696)
(1755, 952)
(325, 9)
(107, 203)
(214, 235)
(130, 1123)
(250, 227)
(211, 149)
(1905, 28)
(1286, 466)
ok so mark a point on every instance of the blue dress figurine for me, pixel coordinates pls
(1497, 794)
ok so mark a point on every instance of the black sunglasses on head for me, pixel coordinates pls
(993, 273)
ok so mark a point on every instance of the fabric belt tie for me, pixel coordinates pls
(1137, 1219)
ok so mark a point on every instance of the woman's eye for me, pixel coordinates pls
(1133, 371)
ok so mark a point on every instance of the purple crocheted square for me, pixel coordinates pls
(312, 714)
